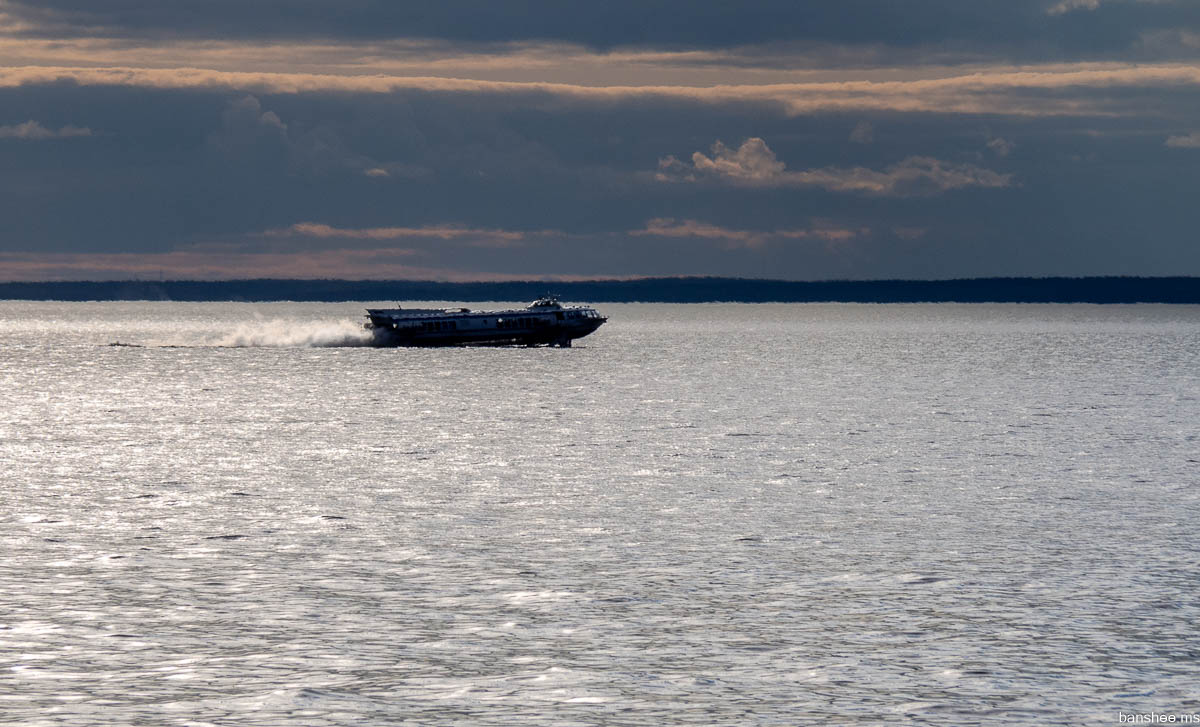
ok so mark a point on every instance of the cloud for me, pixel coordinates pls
(910, 233)
(199, 263)
(476, 236)
(753, 161)
(694, 229)
(298, 126)
(1185, 141)
(252, 136)
(697, 23)
(1063, 7)
(1013, 28)
(1047, 90)
(1001, 147)
(914, 176)
(1066, 6)
(247, 129)
(32, 130)
(213, 264)
(863, 133)
(754, 164)
(669, 227)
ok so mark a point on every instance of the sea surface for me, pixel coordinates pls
(699, 515)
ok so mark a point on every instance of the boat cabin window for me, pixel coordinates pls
(517, 322)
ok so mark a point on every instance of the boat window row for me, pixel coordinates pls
(430, 326)
(517, 322)
(583, 314)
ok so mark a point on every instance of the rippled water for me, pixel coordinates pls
(711, 514)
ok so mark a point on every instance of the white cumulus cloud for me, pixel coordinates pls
(753, 161)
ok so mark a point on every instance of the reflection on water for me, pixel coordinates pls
(699, 515)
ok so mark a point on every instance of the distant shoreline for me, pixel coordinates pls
(1103, 290)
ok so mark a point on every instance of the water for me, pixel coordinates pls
(712, 514)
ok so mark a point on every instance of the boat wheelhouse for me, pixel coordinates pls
(544, 322)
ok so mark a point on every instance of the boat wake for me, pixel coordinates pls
(293, 334)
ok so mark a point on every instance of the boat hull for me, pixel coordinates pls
(386, 338)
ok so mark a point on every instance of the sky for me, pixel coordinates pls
(556, 139)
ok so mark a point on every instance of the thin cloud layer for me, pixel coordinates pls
(753, 163)
(1185, 141)
(1072, 90)
(668, 227)
(443, 232)
(1043, 91)
(1066, 6)
(351, 263)
(33, 131)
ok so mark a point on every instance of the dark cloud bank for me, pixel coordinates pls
(1046, 28)
(1084, 165)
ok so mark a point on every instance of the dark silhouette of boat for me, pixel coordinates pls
(544, 322)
